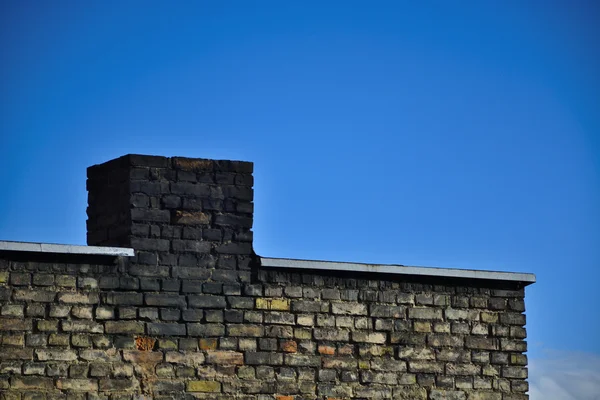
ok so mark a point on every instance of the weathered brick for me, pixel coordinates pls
(135, 356)
(273, 304)
(14, 324)
(263, 358)
(205, 330)
(12, 310)
(82, 326)
(447, 395)
(346, 308)
(441, 340)
(124, 327)
(165, 300)
(425, 313)
(481, 343)
(166, 329)
(385, 311)
(31, 383)
(331, 334)
(78, 385)
(56, 355)
(369, 337)
(207, 301)
(203, 386)
(78, 298)
(428, 367)
(35, 295)
(245, 330)
(225, 357)
(119, 385)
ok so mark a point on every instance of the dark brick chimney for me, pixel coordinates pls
(183, 212)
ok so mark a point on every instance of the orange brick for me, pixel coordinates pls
(289, 346)
(208, 344)
(327, 350)
(284, 397)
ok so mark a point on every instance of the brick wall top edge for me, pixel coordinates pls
(183, 163)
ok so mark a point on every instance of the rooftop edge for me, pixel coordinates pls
(65, 249)
(526, 278)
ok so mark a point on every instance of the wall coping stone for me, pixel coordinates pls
(525, 278)
(30, 247)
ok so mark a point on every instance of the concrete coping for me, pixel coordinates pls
(525, 278)
(65, 249)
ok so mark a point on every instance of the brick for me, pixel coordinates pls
(166, 329)
(118, 385)
(82, 326)
(208, 344)
(514, 372)
(105, 313)
(441, 340)
(56, 355)
(263, 358)
(12, 310)
(165, 300)
(36, 310)
(339, 362)
(185, 358)
(205, 330)
(77, 385)
(511, 318)
(331, 334)
(191, 218)
(347, 308)
(245, 330)
(273, 304)
(11, 353)
(207, 301)
(78, 298)
(302, 360)
(125, 327)
(463, 369)
(137, 357)
(20, 279)
(31, 383)
(225, 357)
(35, 295)
(82, 312)
(481, 343)
(447, 395)
(425, 313)
(203, 386)
(56, 339)
(110, 355)
(326, 350)
(14, 324)
(369, 337)
(151, 244)
(385, 311)
(125, 299)
(427, 367)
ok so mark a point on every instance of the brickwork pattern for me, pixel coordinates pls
(194, 316)
(69, 329)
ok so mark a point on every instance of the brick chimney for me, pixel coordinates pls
(183, 212)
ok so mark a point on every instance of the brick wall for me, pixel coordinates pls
(194, 315)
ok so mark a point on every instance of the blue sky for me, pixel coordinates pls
(452, 134)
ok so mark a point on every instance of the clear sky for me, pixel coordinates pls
(453, 134)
